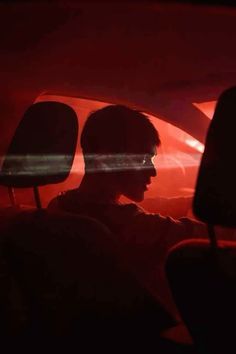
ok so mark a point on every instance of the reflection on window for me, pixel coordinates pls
(206, 107)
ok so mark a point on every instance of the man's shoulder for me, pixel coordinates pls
(53, 204)
(132, 208)
(62, 199)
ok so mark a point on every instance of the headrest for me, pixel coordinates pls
(43, 146)
(215, 196)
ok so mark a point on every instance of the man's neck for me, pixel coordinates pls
(98, 188)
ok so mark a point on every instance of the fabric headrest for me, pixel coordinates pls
(215, 196)
(43, 146)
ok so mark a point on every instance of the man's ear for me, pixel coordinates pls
(103, 162)
(95, 163)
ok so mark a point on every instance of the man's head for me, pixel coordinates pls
(121, 142)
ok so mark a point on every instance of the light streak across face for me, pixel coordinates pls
(33, 165)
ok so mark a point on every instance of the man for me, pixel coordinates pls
(119, 145)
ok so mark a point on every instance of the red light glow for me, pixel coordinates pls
(195, 144)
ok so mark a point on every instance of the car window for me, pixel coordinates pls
(177, 159)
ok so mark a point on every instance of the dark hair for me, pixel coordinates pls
(118, 129)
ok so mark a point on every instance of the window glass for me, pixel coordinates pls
(177, 160)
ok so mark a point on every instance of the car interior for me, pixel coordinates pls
(61, 274)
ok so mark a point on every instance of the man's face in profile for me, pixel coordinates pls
(137, 173)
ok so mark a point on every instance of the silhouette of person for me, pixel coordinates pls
(119, 145)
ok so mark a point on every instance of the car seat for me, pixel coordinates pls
(201, 273)
(41, 152)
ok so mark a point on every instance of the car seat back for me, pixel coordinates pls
(202, 274)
